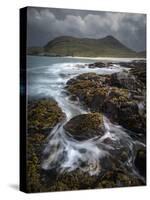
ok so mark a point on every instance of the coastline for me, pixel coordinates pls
(125, 59)
(106, 58)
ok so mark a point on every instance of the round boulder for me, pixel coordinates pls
(85, 126)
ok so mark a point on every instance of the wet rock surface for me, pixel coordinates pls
(98, 65)
(120, 96)
(85, 126)
(43, 115)
(112, 175)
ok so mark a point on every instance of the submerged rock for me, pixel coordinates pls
(85, 126)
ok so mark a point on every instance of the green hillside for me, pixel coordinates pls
(84, 47)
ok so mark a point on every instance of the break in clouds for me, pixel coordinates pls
(46, 24)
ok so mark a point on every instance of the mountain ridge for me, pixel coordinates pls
(107, 46)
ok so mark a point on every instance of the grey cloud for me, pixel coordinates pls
(46, 24)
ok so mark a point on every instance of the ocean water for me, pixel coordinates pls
(48, 75)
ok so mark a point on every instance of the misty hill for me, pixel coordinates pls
(142, 54)
(85, 47)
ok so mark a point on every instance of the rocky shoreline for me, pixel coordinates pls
(121, 97)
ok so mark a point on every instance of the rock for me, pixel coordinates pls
(85, 85)
(71, 81)
(73, 98)
(92, 79)
(74, 180)
(80, 65)
(124, 156)
(118, 178)
(98, 65)
(126, 80)
(140, 73)
(43, 115)
(63, 75)
(86, 126)
(140, 162)
(111, 175)
(138, 69)
(114, 95)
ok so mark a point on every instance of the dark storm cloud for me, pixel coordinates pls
(46, 24)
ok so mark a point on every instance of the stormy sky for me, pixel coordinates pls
(46, 24)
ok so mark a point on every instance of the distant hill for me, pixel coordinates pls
(142, 54)
(85, 47)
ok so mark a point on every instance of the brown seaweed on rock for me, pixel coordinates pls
(43, 114)
(85, 126)
(116, 95)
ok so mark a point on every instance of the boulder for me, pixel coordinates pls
(97, 65)
(43, 115)
(126, 80)
(86, 126)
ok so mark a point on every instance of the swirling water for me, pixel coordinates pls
(47, 77)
